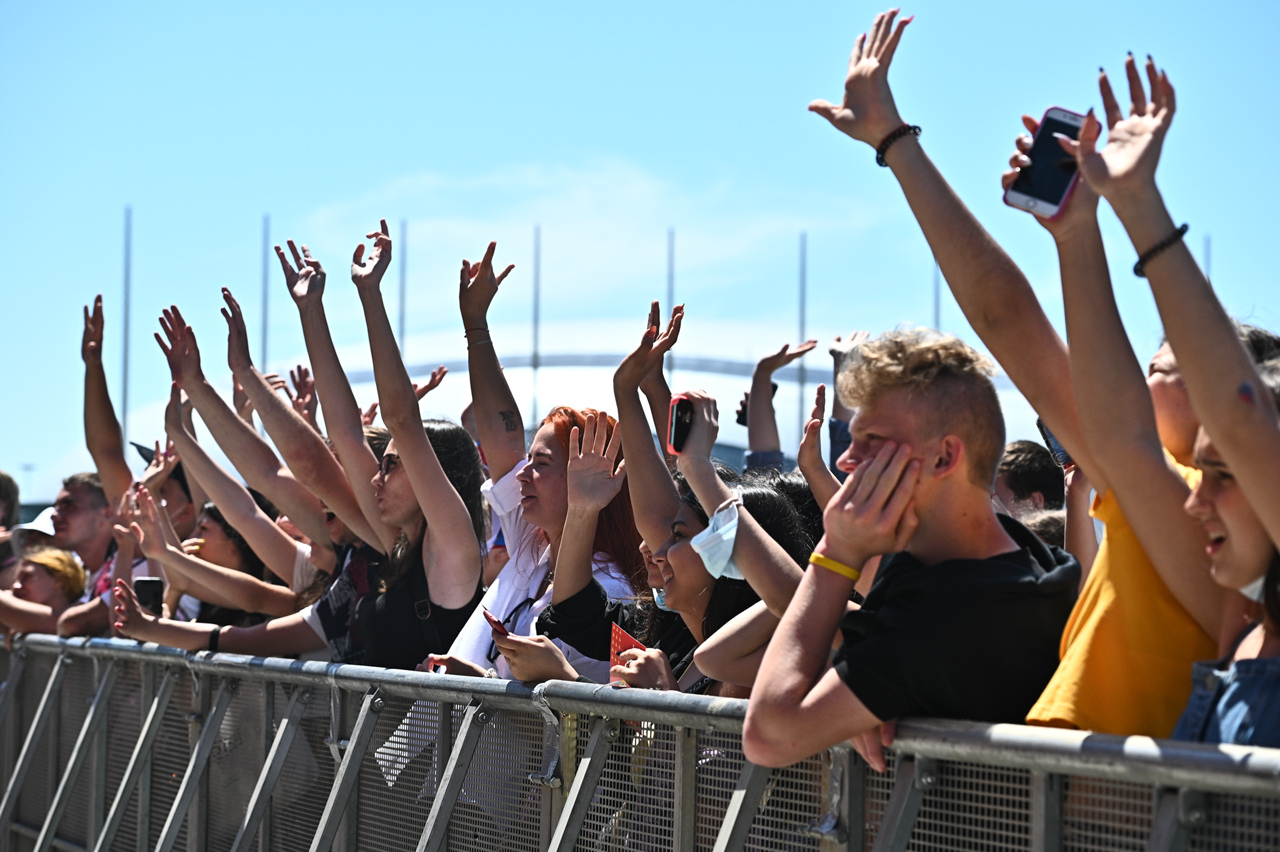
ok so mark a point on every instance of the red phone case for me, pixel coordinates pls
(495, 622)
(671, 416)
(1071, 188)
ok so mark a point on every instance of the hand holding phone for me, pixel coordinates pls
(150, 594)
(1060, 456)
(680, 423)
(1044, 187)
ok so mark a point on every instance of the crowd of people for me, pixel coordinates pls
(922, 568)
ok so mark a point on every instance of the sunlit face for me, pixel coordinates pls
(216, 546)
(1175, 421)
(34, 584)
(397, 504)
(544, 483)
(892, 417)
(686, 580)
(77, 521)
(1238, 544)
(652, 571)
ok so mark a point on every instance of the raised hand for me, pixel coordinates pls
(867, 112)
(648, 355)
(368, 271)
(810, 453)
(593, 480)
(437, 376)
(369, 414)
(91, 341)
(145, 525)
(841, 347)
(654, 380)
(784, 356)
(703, 432)
(304, 399)
(1127, 164)
(644, 668)
(1081, 208)
(182, 353)
(163, 461)
(237, 335)
(306, 281)
(130, 618)
(477, 285)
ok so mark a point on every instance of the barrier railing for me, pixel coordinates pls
(114, 745)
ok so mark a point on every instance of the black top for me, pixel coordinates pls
(401, 626)
(963, 639)
(584, 620)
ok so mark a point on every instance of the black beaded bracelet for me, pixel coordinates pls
(904, 130)
(1139, 267)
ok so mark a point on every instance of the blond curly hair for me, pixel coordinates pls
(950, 381)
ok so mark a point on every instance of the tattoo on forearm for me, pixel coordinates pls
(510, 421)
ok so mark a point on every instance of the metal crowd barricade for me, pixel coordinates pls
(112, 745)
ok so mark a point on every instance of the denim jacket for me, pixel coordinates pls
(1238, 704)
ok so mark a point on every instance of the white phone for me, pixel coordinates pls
(1044, 187)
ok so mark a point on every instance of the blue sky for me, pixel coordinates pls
(605, 124)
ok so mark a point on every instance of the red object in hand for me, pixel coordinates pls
(619, 641)
(495, 622)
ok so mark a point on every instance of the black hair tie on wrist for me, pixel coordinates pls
(213, 640)
(1139, 268)
(904, 130)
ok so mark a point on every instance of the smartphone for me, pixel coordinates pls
(679, 422)
(1060, 455)
(742, 412)
(495, 622)
(1044, 187)
(150, 593)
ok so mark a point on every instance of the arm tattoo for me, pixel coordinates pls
(510, 420)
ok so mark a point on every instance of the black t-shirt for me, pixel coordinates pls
(963, 639)
(583, 621)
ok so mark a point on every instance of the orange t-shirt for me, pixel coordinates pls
(1127, 650)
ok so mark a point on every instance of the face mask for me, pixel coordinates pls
(660, 599)
(1254, 591)
(715, 543)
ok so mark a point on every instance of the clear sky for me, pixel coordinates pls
(604, 123)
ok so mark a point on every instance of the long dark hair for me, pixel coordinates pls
(250, 562)
(461, 464)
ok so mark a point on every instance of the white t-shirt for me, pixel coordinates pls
(518, 582)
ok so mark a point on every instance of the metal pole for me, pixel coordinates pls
(266, 253)
(404, 251)
(804, 257)
(537, 315)
(671, 293)
(937, 297)
(128, 288)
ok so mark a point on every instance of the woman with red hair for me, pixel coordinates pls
(529, 492)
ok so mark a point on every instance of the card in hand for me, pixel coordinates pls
(619, 641)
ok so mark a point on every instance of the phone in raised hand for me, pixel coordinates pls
(1044, 187)
(679, 423)
(1060, 456)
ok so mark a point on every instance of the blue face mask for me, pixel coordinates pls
(660, 599)
(715, 543)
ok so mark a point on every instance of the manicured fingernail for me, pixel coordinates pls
(1101, 70)
(908, 19)
(1130, 52)
(1149, 59)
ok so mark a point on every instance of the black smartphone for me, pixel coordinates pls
(150, 592)
(1060, 455)
(742, 412)
(679, 422)
(1044, 187)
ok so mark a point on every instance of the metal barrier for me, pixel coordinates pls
(114, 745)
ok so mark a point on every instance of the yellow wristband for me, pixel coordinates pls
(832, 565)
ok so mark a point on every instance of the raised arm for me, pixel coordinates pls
(822, 482)
(305, 452)
(341, 413)
(766, 566)
(273, 545)
(654, 498)
(497, 415)
(245, 448)
(657, 393)
(1118, 418)
(594, 479)
(101, 428)
(1226, 392)
(450, 552)
(995, 296)
(762, 421)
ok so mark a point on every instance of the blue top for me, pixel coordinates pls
(1238, 704)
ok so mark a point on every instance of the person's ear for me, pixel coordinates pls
(1037, 500)
(948, 458)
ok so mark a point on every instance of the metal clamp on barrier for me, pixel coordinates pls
(550, 776)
